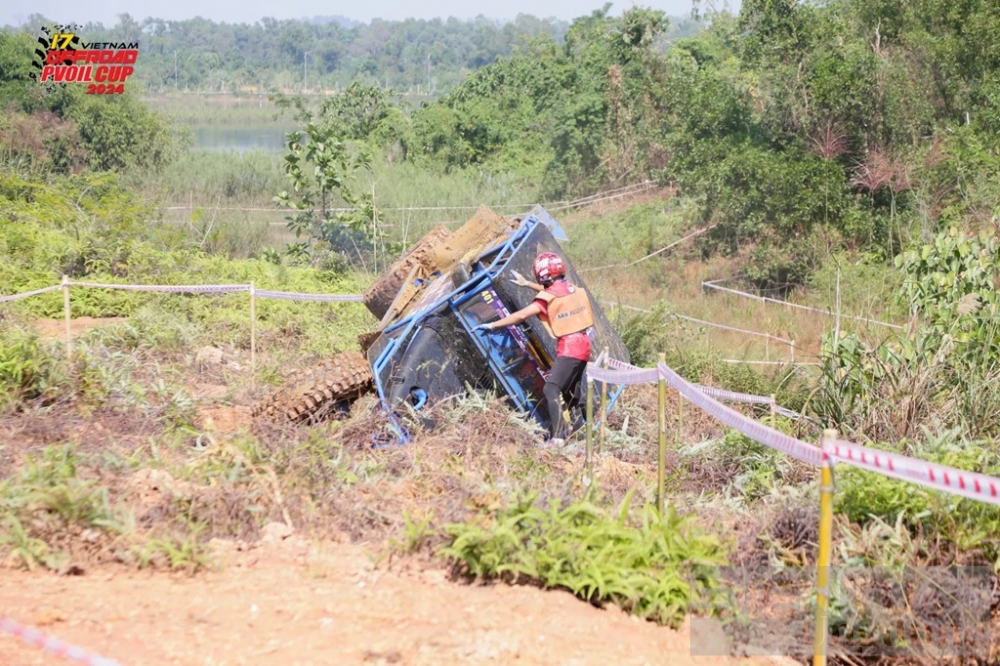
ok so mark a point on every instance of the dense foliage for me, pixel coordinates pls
(62, 129)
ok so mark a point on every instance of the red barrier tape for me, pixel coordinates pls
(958, 482)
(34, 637)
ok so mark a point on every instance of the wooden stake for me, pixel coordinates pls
(66, 316)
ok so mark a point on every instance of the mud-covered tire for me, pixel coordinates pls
(319, 391)
(380, 295)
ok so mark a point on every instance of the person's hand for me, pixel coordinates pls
(519, 279)
(485, 328)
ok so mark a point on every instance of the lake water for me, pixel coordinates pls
(269, 138)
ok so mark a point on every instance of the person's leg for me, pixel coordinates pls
(573, 395)
(560, 379)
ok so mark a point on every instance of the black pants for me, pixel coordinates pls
(565, 380)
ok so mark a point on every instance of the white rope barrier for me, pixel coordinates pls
(702, 322)
(651, 254)
(36, 292)
(766, 299)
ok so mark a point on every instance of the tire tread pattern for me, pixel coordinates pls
(345, 377)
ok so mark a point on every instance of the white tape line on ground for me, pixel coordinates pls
(36, 292)
(293, 296)
(958, 482)
(51, 644)
(194, 288)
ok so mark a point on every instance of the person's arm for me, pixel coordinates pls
(514, 318)
(521, 281)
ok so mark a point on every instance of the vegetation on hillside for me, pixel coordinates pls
(847, 138)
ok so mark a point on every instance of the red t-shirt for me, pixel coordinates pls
(574, 345)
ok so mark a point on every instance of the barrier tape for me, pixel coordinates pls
(705, 323)
(651, 254)
(958, 482)
(732, 396)
(779, 441)
(195, 288)
(36, 292)
(51, 644)
(645, 185)
(629, 377)
(623, 373)
(766, 299)
(941, 477)
(293, 296)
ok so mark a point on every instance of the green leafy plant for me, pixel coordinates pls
(652, 566)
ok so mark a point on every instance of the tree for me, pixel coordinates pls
(319, 167)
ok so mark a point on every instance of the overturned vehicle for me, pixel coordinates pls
(428, 303)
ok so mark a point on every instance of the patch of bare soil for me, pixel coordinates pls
(291, 601)
(225, 420)
(55, 329)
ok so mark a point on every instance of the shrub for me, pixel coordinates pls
(653, 567)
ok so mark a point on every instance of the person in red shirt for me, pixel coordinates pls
(565, 310)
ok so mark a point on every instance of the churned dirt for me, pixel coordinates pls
(289, 601)
(55, 329)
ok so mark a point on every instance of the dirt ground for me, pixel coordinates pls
(288, 600)
(295, 602)
(55, 329)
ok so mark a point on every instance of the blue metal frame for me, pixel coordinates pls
(481, 280)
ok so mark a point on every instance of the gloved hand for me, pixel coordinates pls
(519, 279)
(485, 328)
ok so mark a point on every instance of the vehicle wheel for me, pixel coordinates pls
(319, 392)
(380, 295)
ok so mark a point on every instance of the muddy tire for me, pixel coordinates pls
(320, 391)
(380, 295)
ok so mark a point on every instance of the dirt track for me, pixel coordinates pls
(291, 603)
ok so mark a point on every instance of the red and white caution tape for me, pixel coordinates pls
(755, 430)
(51, 644)
(36, 292)
(174, 288)
(624, 373)
(292, 296)
(958, 482)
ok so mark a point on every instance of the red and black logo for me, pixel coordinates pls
(62, 57)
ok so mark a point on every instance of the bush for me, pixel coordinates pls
(653, 567)
(27, 369)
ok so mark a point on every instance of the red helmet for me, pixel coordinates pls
(549, 267)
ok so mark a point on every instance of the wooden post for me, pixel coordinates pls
(253, 335)
(604, 405)
(774, 409)
(66, 316)
(662, 450)
(791, 351)
(821, 638)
